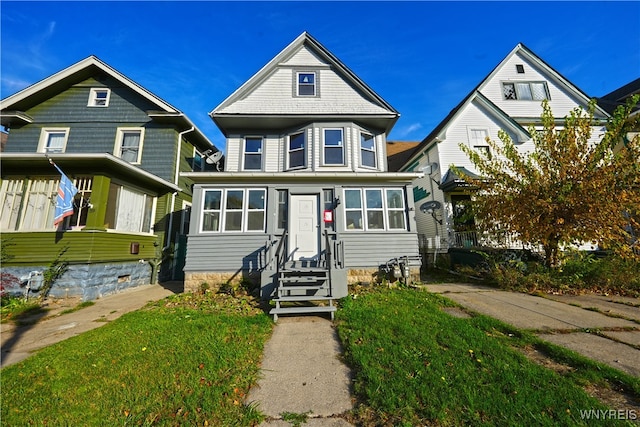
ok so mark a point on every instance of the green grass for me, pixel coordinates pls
(15, 309)
(80, 306)
(188, 360)
(416, 365)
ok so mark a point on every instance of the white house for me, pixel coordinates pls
(509, 98)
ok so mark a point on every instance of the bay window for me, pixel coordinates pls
(333, 147)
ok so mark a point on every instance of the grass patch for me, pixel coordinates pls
(186, 360)
(416, 365)
(78, 307)
(18, 309)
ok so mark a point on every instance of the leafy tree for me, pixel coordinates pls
(567, 189)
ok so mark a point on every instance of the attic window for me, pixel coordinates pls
(525, 91)
(306, 84)
(520, 68)
(99, 97)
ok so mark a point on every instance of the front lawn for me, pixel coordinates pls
(187, 360)
(414, 364)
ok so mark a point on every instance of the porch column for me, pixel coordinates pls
(99, 198)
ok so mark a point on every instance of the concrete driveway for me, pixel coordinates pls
(606, 329)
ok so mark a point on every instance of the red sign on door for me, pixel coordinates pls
(328, 215)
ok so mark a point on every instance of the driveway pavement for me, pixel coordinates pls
(606, 329)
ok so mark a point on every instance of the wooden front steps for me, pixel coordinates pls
(299, 288)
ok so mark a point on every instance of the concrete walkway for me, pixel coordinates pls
(302, 374)
(19, 342)
(580, 323)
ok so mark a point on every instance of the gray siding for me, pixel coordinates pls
(366, 250)
(225, 252)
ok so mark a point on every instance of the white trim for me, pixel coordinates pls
(261, 152)
(385, 209)
(342, 145)
(223, 210)
(117, 148)
(94, 100)
(303, 149)
(374, 150)
(297, 84)
(44, 139)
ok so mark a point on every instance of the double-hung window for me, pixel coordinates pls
(129, 144)
(333, 147)
(375, 209)
(99, 97)
(53, 140)
(478, 140)
(234, 210)
(306, 85)
(525, 91)
(296, 150)
(367, 150)
(129, 210)
(253, 153)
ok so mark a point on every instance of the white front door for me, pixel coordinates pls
(304, 228)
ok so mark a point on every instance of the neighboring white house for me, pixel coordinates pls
(509, 98)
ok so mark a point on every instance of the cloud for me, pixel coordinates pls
(407, 130)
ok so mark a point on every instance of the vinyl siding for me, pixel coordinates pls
(275, 95)
(83, 247)
(561, 101)
(366, 250)
(225, 252)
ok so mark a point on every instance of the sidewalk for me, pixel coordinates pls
(19, 342)
(565, 320)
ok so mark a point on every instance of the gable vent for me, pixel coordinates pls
(520, 68)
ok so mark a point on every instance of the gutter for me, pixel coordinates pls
(175, 182)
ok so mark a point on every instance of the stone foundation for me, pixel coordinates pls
(88, 281)
(375, 275)
(193, 281)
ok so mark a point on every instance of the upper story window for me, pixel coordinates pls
(306, 85)
(297, 153)
(478, 140)
(234, 210)
(253, 153)
(99, 97)
(367, 150)
(525, 91)
(333, 147)
(129, 144)
(53, 140)
(197, 163)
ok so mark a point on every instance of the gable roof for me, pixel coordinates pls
(13, 106)
(437, 134)
(305, 40)
(619, 96)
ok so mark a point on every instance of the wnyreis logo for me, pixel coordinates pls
(608, 414)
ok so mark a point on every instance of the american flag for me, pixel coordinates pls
(64, 200)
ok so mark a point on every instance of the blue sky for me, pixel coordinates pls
(422, 57)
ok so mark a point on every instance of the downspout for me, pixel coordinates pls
(173, 201)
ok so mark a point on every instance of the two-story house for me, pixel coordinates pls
(123, 147)
(305, 195)
(508, 98)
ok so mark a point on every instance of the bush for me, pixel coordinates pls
(580, 272)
